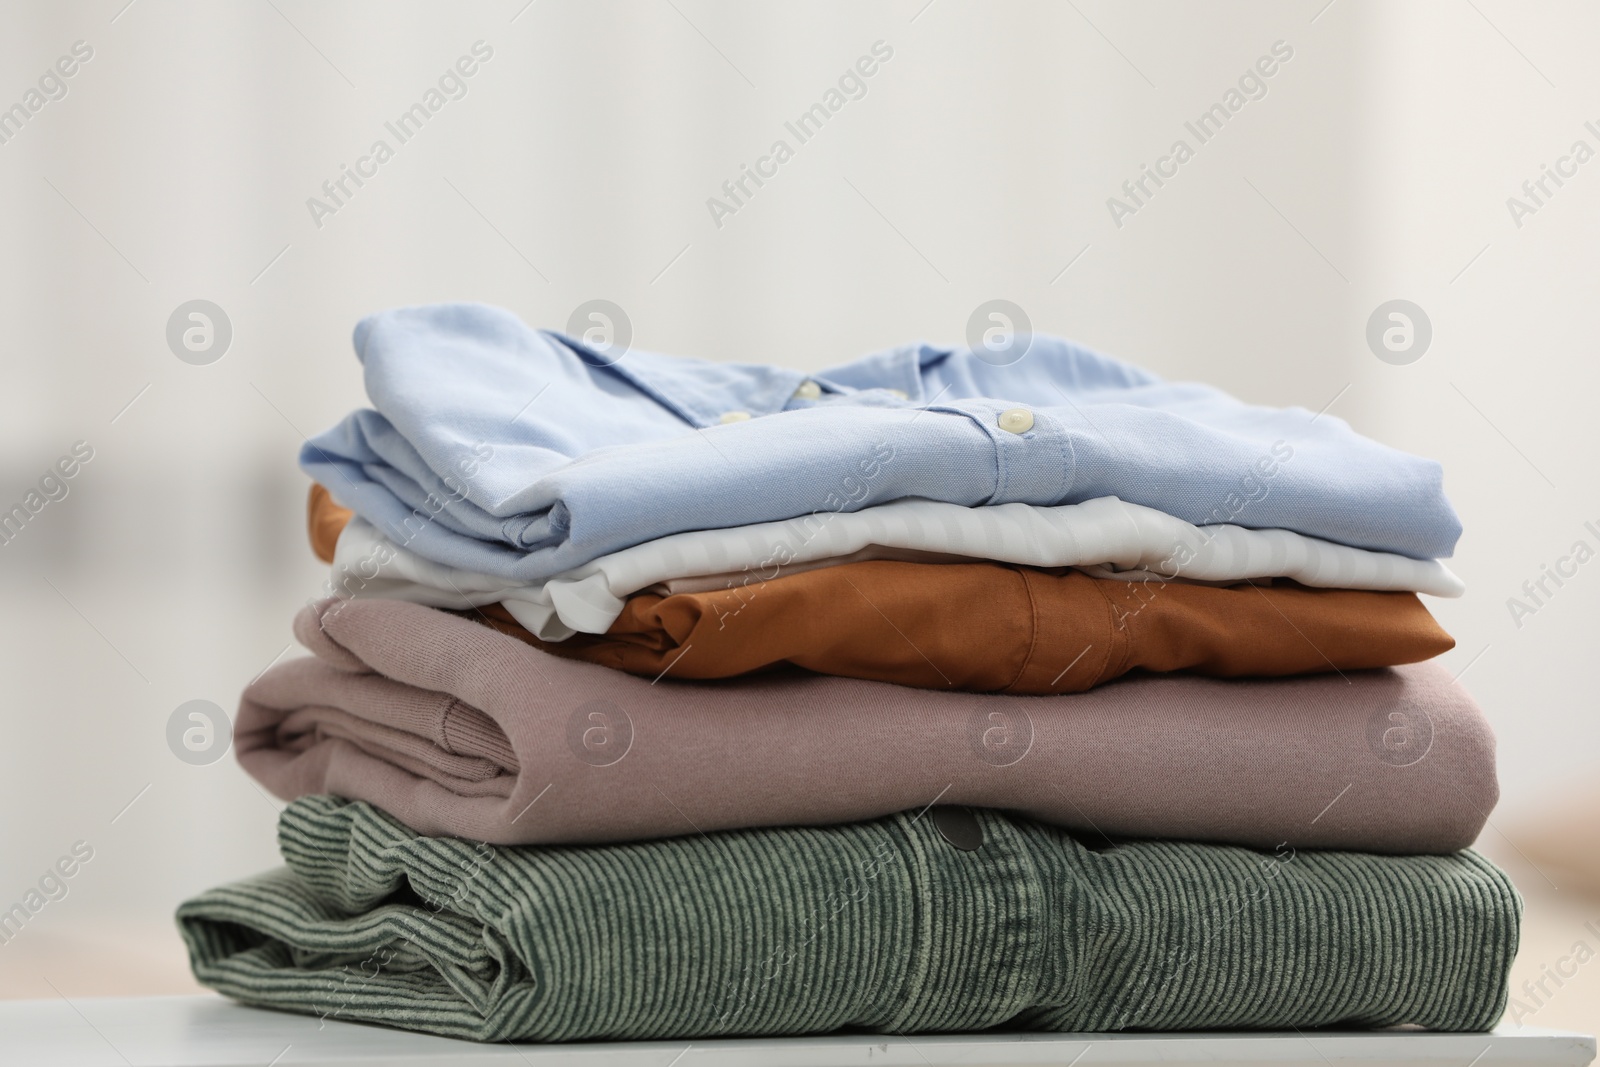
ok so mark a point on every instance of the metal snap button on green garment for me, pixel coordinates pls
(958, 826)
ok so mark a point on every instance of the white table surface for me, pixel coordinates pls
(209, 1031)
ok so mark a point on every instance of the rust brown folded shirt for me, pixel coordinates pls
(988, 627)
(993, 628)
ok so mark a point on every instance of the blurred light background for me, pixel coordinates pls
(578, 164)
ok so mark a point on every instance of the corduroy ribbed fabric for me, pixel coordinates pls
(880, 925)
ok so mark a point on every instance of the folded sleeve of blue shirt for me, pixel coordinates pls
(522, 453)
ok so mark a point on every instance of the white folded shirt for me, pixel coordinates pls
(1106, 536)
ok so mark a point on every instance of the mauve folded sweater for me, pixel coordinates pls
(457, 729)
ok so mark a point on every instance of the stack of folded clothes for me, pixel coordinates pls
(653, 697)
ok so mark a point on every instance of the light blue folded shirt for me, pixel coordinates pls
(523, 453)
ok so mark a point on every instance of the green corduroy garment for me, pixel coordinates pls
(881, 925)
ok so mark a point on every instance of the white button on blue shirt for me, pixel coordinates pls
(1016, 420)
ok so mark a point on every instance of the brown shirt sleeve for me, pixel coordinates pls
(325, 520)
